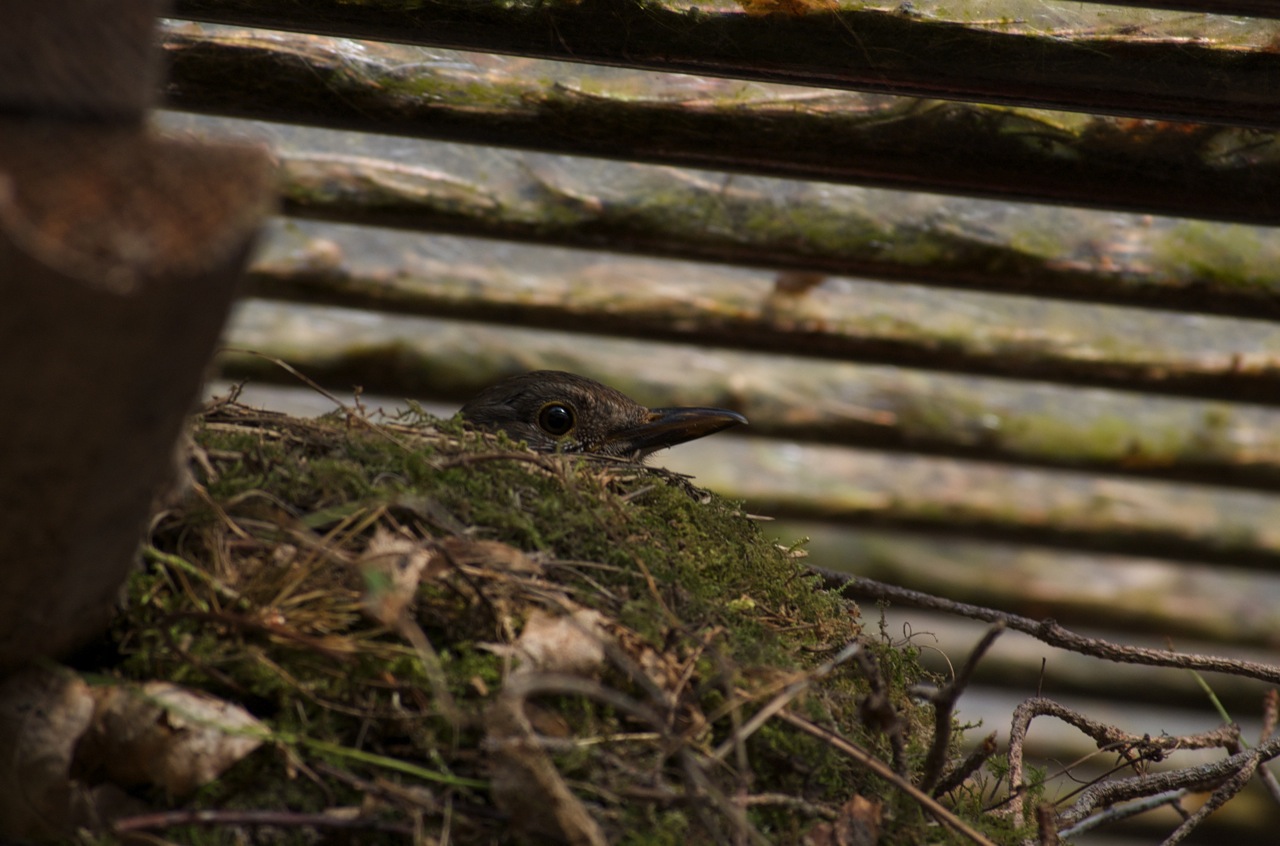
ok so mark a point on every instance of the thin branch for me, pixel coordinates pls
(240, 818)
(1270, 716)
(877, 711)
(1046, 825)
(886, 772)
(1135, 749)
(1122, 812)
(1203, 777)
(1221, 796)
(970, 765)
(1048, 631)
(944, 702)
(783, 699)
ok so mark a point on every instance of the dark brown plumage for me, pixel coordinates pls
(554, 411)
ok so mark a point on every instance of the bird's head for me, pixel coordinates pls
(554, 411)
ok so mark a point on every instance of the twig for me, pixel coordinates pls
(292, 371)
(1223, 794)
(1046, 825)
(524, 686)
(877, 711)
(356, 413)
(886, 772)
(1203, 777)
(732, 811)
(1049, 631)
(168, 819)
(1106, 736)
(1122, 812)
(944, 703)
(432, 669)
(1270, 716)
(970, 765)
(783, 699)
(797, 803)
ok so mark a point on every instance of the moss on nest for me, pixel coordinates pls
(259, 588)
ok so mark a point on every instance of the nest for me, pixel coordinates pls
(450, 636)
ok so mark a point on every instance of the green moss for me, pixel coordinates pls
(1233, 256)
(251, 594)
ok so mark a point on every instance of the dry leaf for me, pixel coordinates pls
(573, 643)
(489, 555)
(393, 565)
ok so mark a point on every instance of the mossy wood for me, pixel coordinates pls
(1189, 603)
(868, 49)
(253, 591)
(1207, 171)
(863, 405)
(1193, 266)
(1063, 343)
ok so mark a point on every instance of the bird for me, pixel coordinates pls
(555, 411)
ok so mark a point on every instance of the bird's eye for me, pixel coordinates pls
(556, 418)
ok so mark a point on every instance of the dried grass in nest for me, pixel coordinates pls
(457, 637)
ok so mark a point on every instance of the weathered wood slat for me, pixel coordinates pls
(1068, 343)
(1182, 601)
(1175, 169)
(1058, 509)
(881, 407)
(868, 49)
(1242, 8)
(1221, 269)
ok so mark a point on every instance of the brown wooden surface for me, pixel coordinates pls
(1206, 171)
(1192, 266)
(79, 58)
(867, 49)
(121, 253)
(1066, 343)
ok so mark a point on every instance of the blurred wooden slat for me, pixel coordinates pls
(80, 59)
(1242, 8)
(868, 49)
(1175, 169)
(869, 406)
(1179, 601)
(1219, 269)
(1061, 342)
(1059, 509)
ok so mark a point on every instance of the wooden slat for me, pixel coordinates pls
(867, 49)
(881, 407)
(972, 499)
(1060, 342)
(1174, 169)
(1193, 267)
(1241, 8)
(1180, 601)
(80, 59)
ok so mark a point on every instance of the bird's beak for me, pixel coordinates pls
(666, 427)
